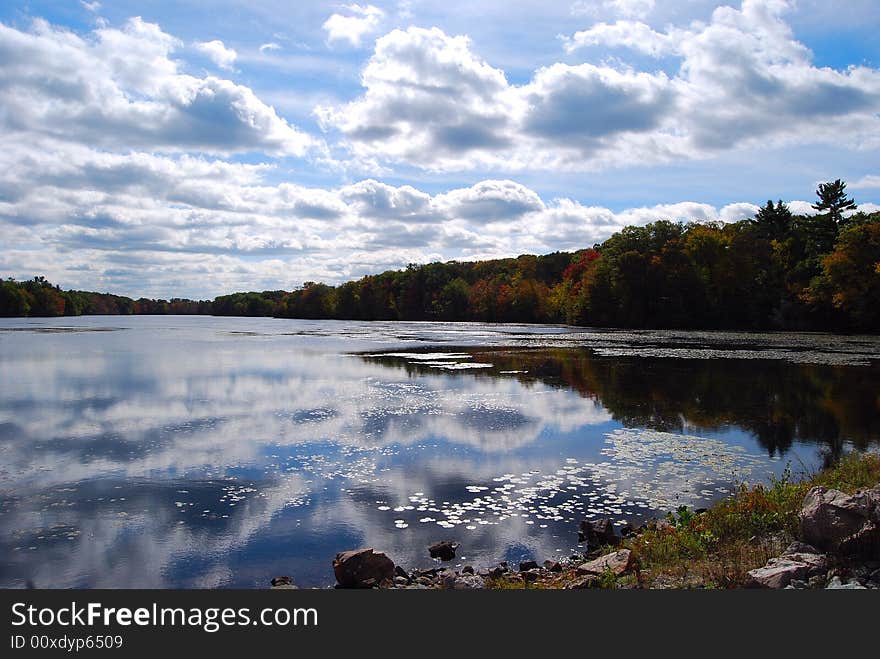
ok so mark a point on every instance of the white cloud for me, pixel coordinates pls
(352, 28)
(270, 46)
(218, 53)
(90, 6)
(120, 89)
(742, 80)
(625, 34)
(145, 224)
(872, 181)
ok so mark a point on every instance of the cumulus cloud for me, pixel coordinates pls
(147, 224)
(119, 88)
(352, 27)
(742, 79)
(218, 53)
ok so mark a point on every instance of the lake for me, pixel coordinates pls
(174, 451)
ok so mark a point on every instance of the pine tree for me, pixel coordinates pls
(833, 200)
(773, 222)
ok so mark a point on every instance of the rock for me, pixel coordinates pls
(401, 581)
(400, 572)
(553, 566)
(589, 581)
(837, 584)
(463, 582)
(467, 569)
(444, 550)
(424, 581)
(528, 565)
(598, 532)
(846, 524)
(362, 568)
(282, 582)
(800, 548)
(780, 572)
(617, 562)
(497, 572)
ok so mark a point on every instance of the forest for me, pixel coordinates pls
(776, 270)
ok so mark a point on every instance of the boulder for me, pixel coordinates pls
(553, 566)
(528, 565)
(598, 532)
(362, 568)
(617, 562)
(782, 571)
(842, 523)
(444, 550)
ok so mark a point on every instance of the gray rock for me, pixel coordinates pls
(800, 548)
(362, 568)
(847, 524)
(837, 583)
(780, 572)
(463, 582)
(588, 581)
(617, 562)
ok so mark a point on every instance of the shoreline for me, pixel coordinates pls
(820, 532)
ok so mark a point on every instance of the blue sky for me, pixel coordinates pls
(178, 149)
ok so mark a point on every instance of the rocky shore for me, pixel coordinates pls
(836, 545)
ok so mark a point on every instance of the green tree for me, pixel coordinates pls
(773, 222)
(833, 200)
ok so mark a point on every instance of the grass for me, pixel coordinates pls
(718, 547)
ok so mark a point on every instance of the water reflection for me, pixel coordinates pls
(777, 402)
(215, 452)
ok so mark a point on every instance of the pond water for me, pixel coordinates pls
(169, 452)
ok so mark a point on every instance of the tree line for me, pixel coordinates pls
(776, 270)
(38, 297)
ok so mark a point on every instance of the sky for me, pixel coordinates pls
(190, 149)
